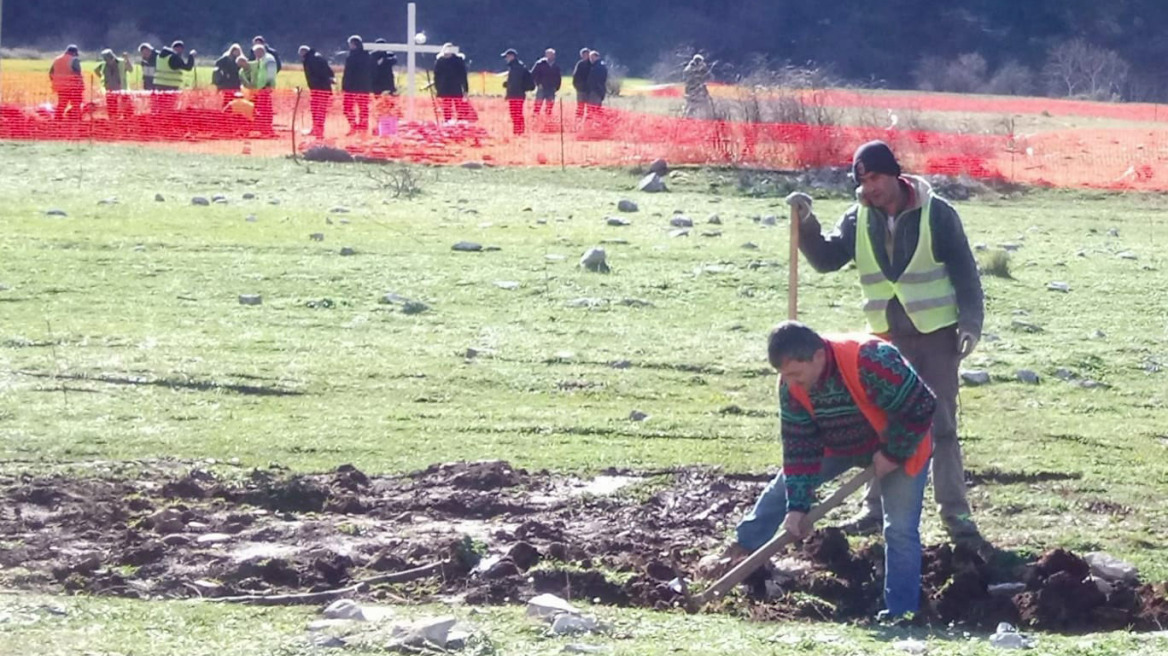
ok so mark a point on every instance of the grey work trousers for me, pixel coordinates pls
(936, 360)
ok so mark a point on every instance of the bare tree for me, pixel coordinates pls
(1078, 68)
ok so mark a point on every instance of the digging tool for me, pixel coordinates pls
(793, 268)
(744, 569)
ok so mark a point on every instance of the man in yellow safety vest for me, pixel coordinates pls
(921, 290)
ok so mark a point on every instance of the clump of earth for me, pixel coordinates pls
(501, 535)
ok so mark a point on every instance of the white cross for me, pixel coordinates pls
(411, 47)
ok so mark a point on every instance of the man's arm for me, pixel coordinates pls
(802, 452)
(832, 251)
(951, 248)
(76, 65)
(894, 386)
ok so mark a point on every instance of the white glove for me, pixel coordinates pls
(966, 341)
(801, 202)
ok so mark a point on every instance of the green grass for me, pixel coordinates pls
(121, 339)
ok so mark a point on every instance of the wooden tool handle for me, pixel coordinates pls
(782, 539)
(793, 268)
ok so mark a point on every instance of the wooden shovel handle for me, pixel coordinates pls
(793, 268)
(782, 539)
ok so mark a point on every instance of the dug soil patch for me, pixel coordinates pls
(503, 535)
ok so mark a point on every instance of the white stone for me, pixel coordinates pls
(339, 210)
(681, 222)
(586, 302)
(911, 646)
(1110, 568)
(1059, 287)
(714, 219)
(344, 609)
(569, 624)
(1027, 376)
(769, 220)
(1127, 255)
(680, 232)
(433, 632)
(625, 205)
(596, 260)
(509, 285)
(1007, 637)
(467, 247)
(200, 201)
(617, 222)
(251, 299)
(549, 605)
(213, 538)
(652, 184)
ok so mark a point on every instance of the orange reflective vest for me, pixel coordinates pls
(64, 77)
(846, 350)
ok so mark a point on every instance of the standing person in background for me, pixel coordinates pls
(383, 63)
(519, 82)
(65, 74)
(697, 96)
(115, 76)
(263, 78)
(259, 41)
(168, 75)
(548, 79)
(450, 81)
(597, 85)
(580, 81)
(226, 75)
(357, 84)
(146, 65)
(320, 79)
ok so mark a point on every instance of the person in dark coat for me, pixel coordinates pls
(320, 79)
(518, 78)
(357, 84)
(597, 84)
(383, 63)
(226, 75)
(450, 81)
(548, 79)
(580, 81)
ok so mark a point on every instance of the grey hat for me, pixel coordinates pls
(510, 51)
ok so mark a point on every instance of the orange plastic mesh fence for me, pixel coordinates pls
(485, 129)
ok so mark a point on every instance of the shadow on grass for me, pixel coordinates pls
(195, 385)
(1002, 477)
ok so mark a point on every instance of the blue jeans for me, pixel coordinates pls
(901, 495)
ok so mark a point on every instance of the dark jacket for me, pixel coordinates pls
(598, 81)
(358, 72)
(516, 74)
(547, 75)
(227, 73)
(580, 75)
(950, 247)
(450, 79)
(168, 57)
(383, 81)
(271, 51)
(317, 73)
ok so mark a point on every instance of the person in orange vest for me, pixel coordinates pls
(847, 401)
(65, 75)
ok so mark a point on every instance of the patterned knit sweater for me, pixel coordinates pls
(839, 429)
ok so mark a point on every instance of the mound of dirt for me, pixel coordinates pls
(197, 534)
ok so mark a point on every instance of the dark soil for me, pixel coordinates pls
(200, 535)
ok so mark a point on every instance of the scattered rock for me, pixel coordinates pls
(595, 260)
(680, 232)
(1112, 569)
(176, 540)
(750, 246)
(714, 219)
(347, 251)
(251, 299)
(249, 196)
(1064, 374)
(339, 209)
(625, 205)
(219, 198)
(911, 646)
(1126, 255)
(316, 236)
(568, 624)
(112, 200)
(1007, 637)
(505, 568)
(1025, 326)
(980, 247)
(711, 233)
(344, 609)
(159, 198)
(56, 212)
(617, 221)
(975, 377)
(200, 201)
(1098, 334)
(414, 307)
(167, 521)
(659, 167)
(620, 364)
(652, 184)
(467, 247)
(680, 221)
(472, 165)
(1113, 232)
(546, 606)
(586, 303)
(769, 220)
(637, 415)
(579, 648)
(250, 218)
(524, 555)
(428, 634)
(1058, 287)
(636, 302)
(213, 538)
(274, 201)
(1010, 247)
(509, 285)
(1027, 376)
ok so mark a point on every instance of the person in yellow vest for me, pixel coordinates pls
(115, 77)
(921, 290)
(261, 78)
(65, 75)
(844, 402)
(168, 75)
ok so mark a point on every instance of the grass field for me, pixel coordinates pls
(122, 340)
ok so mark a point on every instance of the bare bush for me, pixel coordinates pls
(398, 180)
(966, 74)
(1082, 70)
(1012, 79)
(617, 73)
